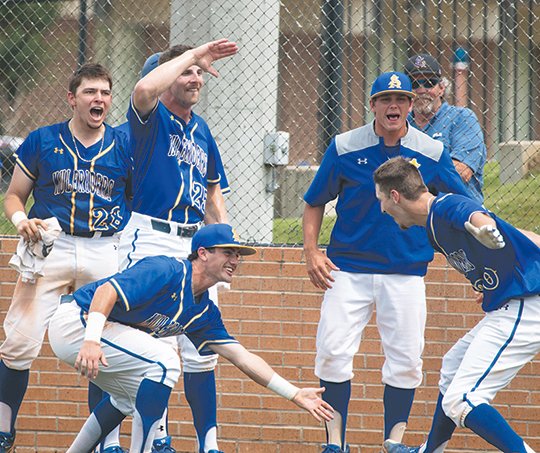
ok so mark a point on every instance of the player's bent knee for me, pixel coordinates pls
(455, 408)
(333, 369)
(166, 369)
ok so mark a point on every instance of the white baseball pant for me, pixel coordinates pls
(487, 358)
(346, 309)
(72, 263)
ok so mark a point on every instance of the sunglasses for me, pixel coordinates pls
(425, 83)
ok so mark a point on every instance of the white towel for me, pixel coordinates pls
(30, 256)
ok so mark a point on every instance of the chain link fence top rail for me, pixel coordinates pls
(303, 75)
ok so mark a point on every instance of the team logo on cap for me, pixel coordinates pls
(236, 236)
(415, 163)
(420, 62)
(394, 82)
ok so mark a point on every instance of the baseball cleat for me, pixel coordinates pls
(7, 442)
(215, 451)
(332, 448)
(391, 446)
(163, 446)
(114, 449)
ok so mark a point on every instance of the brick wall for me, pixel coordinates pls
(273, 309)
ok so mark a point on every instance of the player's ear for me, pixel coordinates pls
(394, 195)
(71, 99)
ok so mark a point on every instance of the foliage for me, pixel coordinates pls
(22, 41)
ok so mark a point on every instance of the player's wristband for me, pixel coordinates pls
(282, 387)
(94, 326)
(18, 217)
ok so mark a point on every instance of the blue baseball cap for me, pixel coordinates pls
(392, 82)
(219, 235)
(150, 64)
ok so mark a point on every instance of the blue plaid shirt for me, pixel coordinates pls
(459, 130)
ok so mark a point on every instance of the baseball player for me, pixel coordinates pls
(369, 261)
(77, 172)
(178, 184)
(457, 127)
(503, 264)
(117, 320)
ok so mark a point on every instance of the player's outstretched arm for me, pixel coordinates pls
(17, 194)
(257, 369)
(317, 263)
(485, 231)
(150, 88)
(91, 354)
(532, 236)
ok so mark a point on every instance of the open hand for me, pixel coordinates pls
(206, 54)
(487, 235)
(310, 400)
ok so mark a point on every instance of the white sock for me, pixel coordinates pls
(87, 437)
(5, 418)
(210, 440)
(112, 439)
(161, 431)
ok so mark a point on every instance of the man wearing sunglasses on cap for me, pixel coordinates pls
(457, 127)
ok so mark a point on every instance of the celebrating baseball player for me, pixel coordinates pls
(503, 264)
(116, 321)
(77, 172)
(369, 261)
(178, 183)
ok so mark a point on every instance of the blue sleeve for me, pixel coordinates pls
(209, 329)
(144, 281)
(27, 155)
(467, 141)
(142, 131)
(326, 184)
(457, 209)
(447, 179)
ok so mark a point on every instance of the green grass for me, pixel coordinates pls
(518, 204)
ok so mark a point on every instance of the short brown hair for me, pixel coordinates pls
(402, 175)
(173, 52)
(90, 71)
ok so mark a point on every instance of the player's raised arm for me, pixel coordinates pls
(257, 369)
(150, 88)
(91, 355)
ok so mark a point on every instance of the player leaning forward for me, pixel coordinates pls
(369, 261)
(77, 172)
(502, 263)
(116, 321)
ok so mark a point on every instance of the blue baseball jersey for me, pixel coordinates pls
(459, 130)
(363, 239)
(84, 188)
(155, 296)
(502, 274)
(174, 163)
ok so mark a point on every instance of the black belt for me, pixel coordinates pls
(91, 234)
(164, 227)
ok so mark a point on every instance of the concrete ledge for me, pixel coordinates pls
(518, 159)
(294, 181)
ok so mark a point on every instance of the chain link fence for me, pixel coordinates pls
(303, 75)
